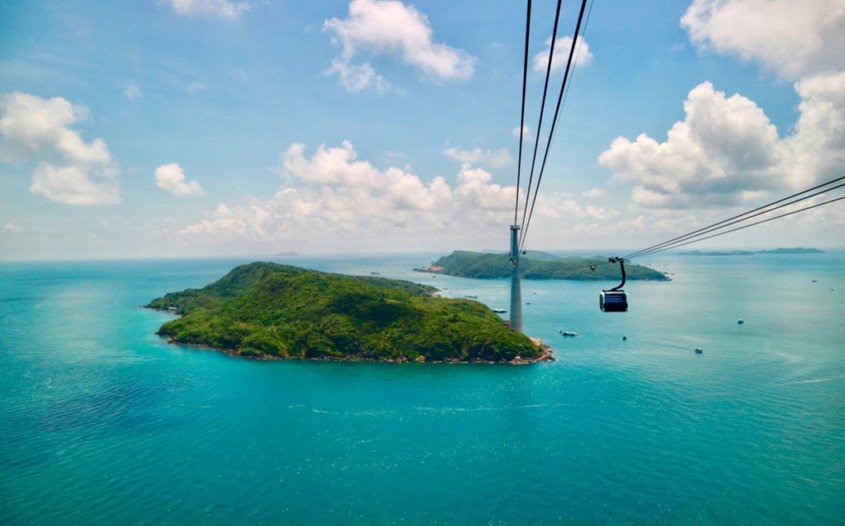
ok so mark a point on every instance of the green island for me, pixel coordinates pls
(537, 265)
(271, 311)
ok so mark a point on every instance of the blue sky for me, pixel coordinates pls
(221, 127)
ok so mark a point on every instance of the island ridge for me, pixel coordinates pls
(537, 265)
(267, 310)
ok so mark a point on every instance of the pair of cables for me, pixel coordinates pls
(743, 220)
(533, 190)
(722, 227)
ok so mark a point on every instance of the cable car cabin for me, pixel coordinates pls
(613, 301)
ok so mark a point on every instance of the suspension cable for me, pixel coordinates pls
(745, 215)
(688, 242)
(554, 123)
(679, 242)
(522, 112)
(542, 108)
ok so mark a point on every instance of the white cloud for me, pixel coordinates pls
(817, 148)
(726, 151)
(791, 38)
(70, 185)
(526, 133)
(492, 158)
(11, 228)
(132, 91)
(333, 193)
(356, 78)
(171, 179)
(69, 170)
(242, 221)
(330, 166)
(725, 146)
(220, 8)
(583, 56)
(195, 86)
(476, 190)
(32, 126)
(348, 187)
(390, 27)
(593, 193)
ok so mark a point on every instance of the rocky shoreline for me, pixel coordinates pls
(546, 354)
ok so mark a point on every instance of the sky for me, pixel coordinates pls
(193, 128)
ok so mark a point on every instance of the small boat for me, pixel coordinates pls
(374, 274)
(499, 311)
(568, 334)
(740, 322)
(624, 338)
(471, 297)
(699, 350)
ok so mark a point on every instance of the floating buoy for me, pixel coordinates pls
(740, 322)
(624, 338)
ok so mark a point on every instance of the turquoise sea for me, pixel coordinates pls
(102, 422)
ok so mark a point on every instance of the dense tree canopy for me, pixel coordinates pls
(270, 310)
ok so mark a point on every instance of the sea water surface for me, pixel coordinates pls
(102, 422)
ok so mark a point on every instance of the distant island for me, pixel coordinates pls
(798, 250)
(271, 311)
(537, 265)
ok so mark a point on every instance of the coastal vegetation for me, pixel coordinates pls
(537, 265)
(267, 310)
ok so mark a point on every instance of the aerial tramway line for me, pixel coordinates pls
(615, 299)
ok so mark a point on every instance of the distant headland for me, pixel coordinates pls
(537, 265)
(271, 311)
(798, 250)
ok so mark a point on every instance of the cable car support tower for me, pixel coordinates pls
(519, 229)
(516, 289)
